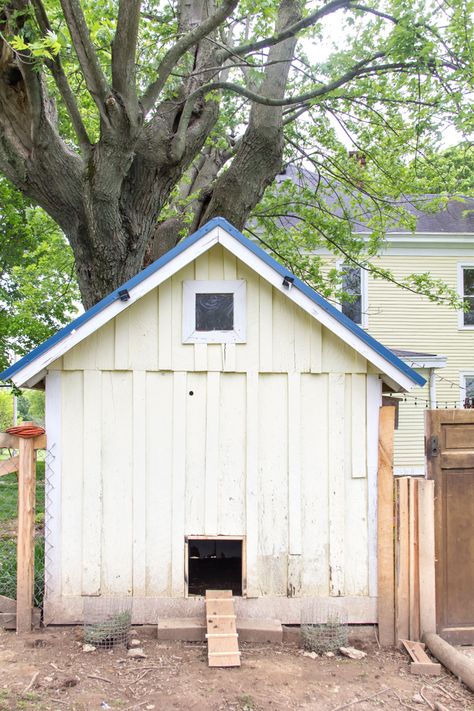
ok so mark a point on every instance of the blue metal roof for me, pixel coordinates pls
(181, 247)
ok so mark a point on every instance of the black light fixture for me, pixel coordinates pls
(124, 295)
(288, 282)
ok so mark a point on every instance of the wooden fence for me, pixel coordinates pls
(25, 464)
(406, 552)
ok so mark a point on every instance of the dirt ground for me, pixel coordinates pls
(49, 670)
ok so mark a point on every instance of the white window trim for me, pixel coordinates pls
(238, 288)
(461, 267)
(462, 383)
(364, 291)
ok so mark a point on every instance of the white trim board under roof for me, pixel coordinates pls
(32, 367)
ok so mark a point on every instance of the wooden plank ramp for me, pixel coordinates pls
(222, 637)
(421, 663)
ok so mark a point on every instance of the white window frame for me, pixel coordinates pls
(462, 382)
(461, 266)
(364, 291)
(238, 288)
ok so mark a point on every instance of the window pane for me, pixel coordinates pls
(353, 310)
(214, 312)
(469, 315)
(351, 284)
(469, 383)
(468, 281)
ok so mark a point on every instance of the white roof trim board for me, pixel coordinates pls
(31, 368)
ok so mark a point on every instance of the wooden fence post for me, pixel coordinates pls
(26, 535)
(402, 560)
(385, 547)
(426, 547)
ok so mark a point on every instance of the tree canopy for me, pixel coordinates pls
(134, 122)
(38, 289)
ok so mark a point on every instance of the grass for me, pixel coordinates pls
(8, 515)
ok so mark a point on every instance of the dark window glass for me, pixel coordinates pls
(352, 284)
(469, 383)
(214, 312)
(468, 281)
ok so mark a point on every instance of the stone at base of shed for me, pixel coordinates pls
(193, 629)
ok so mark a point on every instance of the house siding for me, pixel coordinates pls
(404, 320)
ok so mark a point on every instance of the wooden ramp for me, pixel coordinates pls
(222, 637)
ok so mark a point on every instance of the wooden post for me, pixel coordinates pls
(414, 586)
(426, 542)
(385, 548)
(26, 535)
(402, 562)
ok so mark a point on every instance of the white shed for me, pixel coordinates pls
(212, 423)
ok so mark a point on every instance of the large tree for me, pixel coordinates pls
(132, 123)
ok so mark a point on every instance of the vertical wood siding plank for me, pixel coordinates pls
(200, 356)
(122, 340)
(231, 464)
(159, 492)
(53, 483)
(402, 563)
(316, 346)
(143, 331)
(117, 458)
(374, 400)
(294, 463)
(273, 483)
(216, 263)
(251, 483)
(385, 547)
(228, 351)
(139, 483)
(358, 426)
(356, 573)
(201, 266)
(92, 484)
(230, 265)
(182, 353)
(72, 522)
(195, 452)
(266, 327)
(336, 417)
(165, 325)
(247, 354)
(212, 452)
(178, 482)
(283, 356)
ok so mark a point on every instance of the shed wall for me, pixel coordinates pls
(160, 440)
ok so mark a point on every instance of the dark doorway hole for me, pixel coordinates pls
(214, 564)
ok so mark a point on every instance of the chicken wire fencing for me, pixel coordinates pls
(324, 626)
(9, 529)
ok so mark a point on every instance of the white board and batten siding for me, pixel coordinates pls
(265, 439)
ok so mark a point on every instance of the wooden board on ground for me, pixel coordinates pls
(222, 637)
(421, 663)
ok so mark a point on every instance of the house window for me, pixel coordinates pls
(354, 282)
(467, 389)
(466, 290)
(214, 311)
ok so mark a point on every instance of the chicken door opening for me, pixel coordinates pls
(214, 564)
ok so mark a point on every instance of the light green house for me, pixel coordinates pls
(434, 339)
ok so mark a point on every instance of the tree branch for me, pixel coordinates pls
(181, 47)
(62, 83)
(124, 47)
(358, 69)
(308, 21)
(86, 54)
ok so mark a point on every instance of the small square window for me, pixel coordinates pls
(214, 311)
